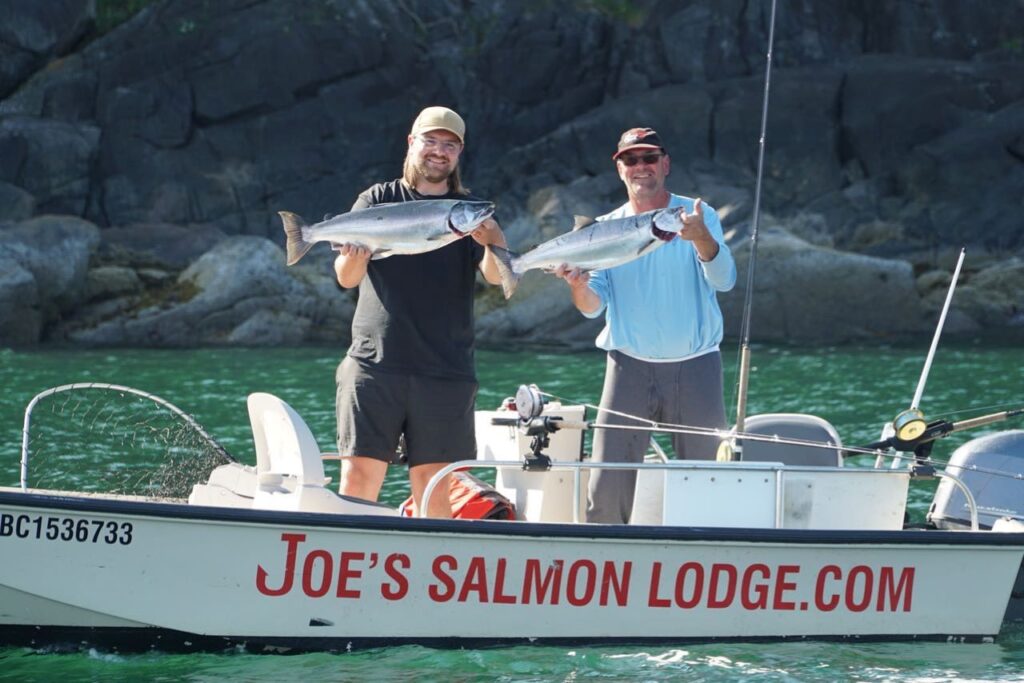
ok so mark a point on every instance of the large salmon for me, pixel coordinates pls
(386, 229)
(592, 245)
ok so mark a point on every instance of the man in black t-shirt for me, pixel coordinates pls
(410, 368)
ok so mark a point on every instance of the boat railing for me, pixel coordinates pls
(776, 470)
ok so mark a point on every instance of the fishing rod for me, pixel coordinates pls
(731, 449)
(910, 423)
(529, 406)
(936, 430)
(544, 425)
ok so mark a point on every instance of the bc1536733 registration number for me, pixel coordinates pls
(67, 529)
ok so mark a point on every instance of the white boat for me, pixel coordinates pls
(786, 543)
(271, 558)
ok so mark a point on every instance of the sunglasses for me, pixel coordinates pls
(448, 147)
(631, 160)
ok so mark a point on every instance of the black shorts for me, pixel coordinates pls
(375, 408)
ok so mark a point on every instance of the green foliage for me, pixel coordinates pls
(111, 13)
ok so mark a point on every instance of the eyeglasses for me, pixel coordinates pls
(446, 146)
(631, 160)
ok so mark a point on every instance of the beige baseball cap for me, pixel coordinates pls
(439, 118)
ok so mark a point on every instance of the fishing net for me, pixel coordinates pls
(114, 439)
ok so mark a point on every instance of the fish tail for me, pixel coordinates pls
(509, 277)
(297, 245)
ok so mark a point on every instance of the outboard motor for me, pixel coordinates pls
(999, 458)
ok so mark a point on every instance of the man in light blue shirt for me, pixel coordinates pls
(662, 328)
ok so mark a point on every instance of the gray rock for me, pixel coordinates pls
(802, 161)
(544, 313)
(270, 328)
(994, 296)
(20, 318)
(894, 131)
(971, 181)
(15, 203)
(215, 301)
(809, 293)
(50, 159)
(154, 276)
(160, 245)
(933, 280)
(107, 282)
(32, 32)
(56, 251)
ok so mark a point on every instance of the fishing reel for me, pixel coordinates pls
(909, 425)
(529, 405)
(529, 402)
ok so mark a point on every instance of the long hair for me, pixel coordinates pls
(410, 175)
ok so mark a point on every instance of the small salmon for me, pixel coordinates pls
(592, 245)
(387, 229)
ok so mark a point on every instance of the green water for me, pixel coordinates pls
(855, 388)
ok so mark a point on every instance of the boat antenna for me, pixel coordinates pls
(731, 451)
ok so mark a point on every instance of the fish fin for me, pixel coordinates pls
(579, 222)
(509, 278)
(648, 246)
(296, 246)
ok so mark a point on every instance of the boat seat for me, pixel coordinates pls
(285, 446)
(289, 472)
(792, 426)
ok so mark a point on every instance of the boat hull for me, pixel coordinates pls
(137, 574)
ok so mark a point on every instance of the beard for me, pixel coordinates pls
(433, 174)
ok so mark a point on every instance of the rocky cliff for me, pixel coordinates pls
(141, 169)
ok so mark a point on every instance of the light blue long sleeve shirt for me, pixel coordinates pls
(662, 306)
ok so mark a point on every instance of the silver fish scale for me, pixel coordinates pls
(402, 228)
(603, 244)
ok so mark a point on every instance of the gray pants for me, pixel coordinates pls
(688, 393)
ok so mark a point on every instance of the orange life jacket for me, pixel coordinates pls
(471, 498)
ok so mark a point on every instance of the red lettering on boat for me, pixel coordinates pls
(610, 581)
(731, 576)
(292, 541)
(346, 572)
(895, 592)
(652, 594)
(475, 581)
(577, 599)
(836, 574)
(500, 596)
(309, 573)
(392, 565)
(755, 596)
(447, 583)
(698, 585)
(782, 586)
(532, 582)
(859, 598)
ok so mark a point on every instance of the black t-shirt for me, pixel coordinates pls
(415, 312)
